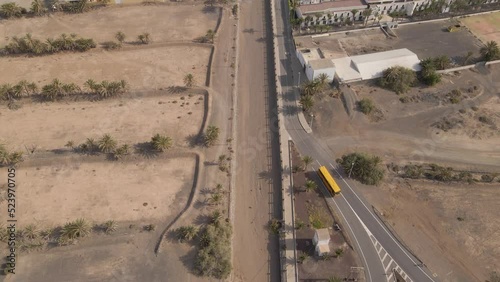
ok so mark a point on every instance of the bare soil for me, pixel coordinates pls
(129, 120)
(142, 67)
(424, 213)
(486, 27)
(163, 23)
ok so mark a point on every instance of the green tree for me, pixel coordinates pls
(307, 160)
(442, 62)
(211, 135)
(428, 73)
(161, 143)
(307, 102)
(189, 80)
(144, 38)
(121, 151)
(322, 80)
(107, 144)
(109, 226)
(76, 229)
(120, 36)
(366, 106)
(38, 8)
(490, 51)
(398, 79)
(354, 12)
(210, 36)
(213, 258)
(365, 168)
(186, 233)
(310, 185)
(366, 15)
(10, 10)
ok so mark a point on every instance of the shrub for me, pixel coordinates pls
(214, 254)
(186, 233)
(365, 168)
(111, 45)
(274, 226)
(412, 171)
(398, 79)
(366, 106)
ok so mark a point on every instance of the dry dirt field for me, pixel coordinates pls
(424, 213)
(486, 27)
(164, 23)
(144, 67)
(137, 190)
(129, 120)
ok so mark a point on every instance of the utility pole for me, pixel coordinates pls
(352, 166)
(298, 82)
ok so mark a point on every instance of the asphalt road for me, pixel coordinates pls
(359, 219)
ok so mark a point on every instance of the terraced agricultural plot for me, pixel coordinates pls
(164, 23)
(486, 27)
(99, 191)
(128, 120)
(142, 67)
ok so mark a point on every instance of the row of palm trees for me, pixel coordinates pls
(108, 145)
(57, 90)
(355, 15)
(39, 8)
(311, 88)
(36, 47)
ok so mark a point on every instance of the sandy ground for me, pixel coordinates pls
(142, 67)
(56, 194)
(424, 214)
(129, 120)
(486, 27)
(164, 23)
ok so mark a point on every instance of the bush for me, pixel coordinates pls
(412, 171)
(186, 233)
(366, 168)
(428, 74)
(440, 173)
(111, 45)
(486, 120)
(366, 106)
(214, 255)
(398, 79)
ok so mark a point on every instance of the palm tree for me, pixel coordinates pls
(491, 51)
(354, 12)
(189, 80)
(323, 80)
(120, 36)
(107, 144)
(310, 185)
(216, 217)
(121, 151)
(210, 36)
(366, 15)
(38, 8)
(53, 90)
(306, 101)
(109, 226)
(186, 233)
(380, 17)
(307, 160)
(31, 231)
(312, 87)
(144, 38)
(215, 198)
(76, 229)
(211, 135)
(161, 142)
(9, 10)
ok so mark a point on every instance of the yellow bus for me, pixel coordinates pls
(328, 180)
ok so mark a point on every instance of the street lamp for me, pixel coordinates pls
(311, 123)
(298, 82)
(352, 166)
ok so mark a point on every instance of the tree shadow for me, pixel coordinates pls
(288, 96)
(193, 140)
(249, 30)
(146, 150)
(261, 39)
(290, 110)
(176, 89)
(265, 175)
(202, 219)
(209, 9)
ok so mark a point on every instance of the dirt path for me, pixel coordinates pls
(256, 255)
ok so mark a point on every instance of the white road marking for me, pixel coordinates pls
(383, 227)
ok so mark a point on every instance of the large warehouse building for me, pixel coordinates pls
(355, 68)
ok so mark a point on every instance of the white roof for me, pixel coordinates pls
(322, 249)
(310, 54)
(323, 234)
(372, 65)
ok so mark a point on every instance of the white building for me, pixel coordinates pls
(322, 66)
(321, 241)
(370, 66)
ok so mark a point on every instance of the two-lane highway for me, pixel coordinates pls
(371, 239)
